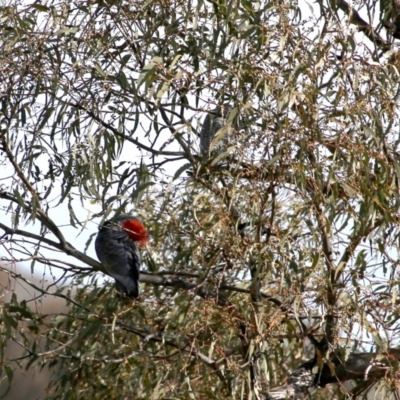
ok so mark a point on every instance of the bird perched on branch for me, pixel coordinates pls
(117, 247)
(213, 122)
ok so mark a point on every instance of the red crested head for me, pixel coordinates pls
(136, 231)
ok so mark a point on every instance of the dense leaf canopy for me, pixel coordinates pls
(274, 253)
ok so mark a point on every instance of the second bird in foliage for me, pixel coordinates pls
(214, 121)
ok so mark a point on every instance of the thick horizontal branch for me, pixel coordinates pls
(364, 366)
(363, 26)
(145, 277)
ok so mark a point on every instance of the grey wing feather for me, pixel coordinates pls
(120, 258)
(213, 122)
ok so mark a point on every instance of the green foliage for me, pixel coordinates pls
(100, 105)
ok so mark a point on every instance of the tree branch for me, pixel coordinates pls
(125, 137)
(145, 277)
(363, 26)
(357, 366)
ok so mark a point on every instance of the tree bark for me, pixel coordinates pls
(358, 366)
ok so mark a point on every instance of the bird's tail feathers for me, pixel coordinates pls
(127, 286)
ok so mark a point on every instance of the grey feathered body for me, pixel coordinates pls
(120, 257)
(213, 122)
